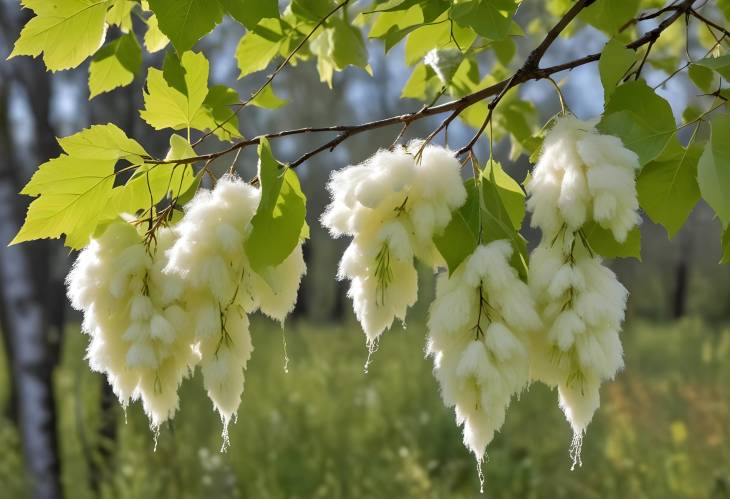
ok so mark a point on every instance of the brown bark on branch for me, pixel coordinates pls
(531, 70)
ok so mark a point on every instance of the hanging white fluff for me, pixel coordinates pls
(392, 205)
(478, 343)
(140, 334)
(208, 257)
(581, 176)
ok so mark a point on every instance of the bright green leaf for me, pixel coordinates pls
(217, 113)
(668, 188)
(498, 221)
(602, 242)
(168, 107)
(114, 65)
(721, 65)
(491, 19)
(702, 76)
(184, 22)
(312, 10)
(65, 31)
(250, 12)
(510, 192)
(154, 39)
(347, 45)
(615, 62)
(255, 51)
(102, 142)
(120, 14)
(277, 224)
(725, 258)
(610, 15)
(419, 84)
(713, 172)
(268, 99)
(151, 183)
(461, 236)
(640, 118)
(72, 195)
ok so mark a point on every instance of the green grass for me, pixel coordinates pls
(326, 429)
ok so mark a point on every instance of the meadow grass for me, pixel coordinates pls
(327, 429)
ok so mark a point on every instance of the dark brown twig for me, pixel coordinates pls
(533, 72)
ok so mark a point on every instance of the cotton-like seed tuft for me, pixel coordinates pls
(392, 205)
(480, 352)
(581, 176)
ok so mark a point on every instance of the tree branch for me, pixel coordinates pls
(529, 71)
(276, 71)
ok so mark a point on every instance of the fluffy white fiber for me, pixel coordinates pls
(392, 205)
(221, 287)
(140, 335)
(154, 311)
(581, 176)
(478, 343)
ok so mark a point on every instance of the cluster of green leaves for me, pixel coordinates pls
(494, 209)
(454, 48)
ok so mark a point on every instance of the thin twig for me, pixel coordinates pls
(709, 22)
(276, 71)
(455, 106)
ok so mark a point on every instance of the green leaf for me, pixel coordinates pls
(120, 14)
(721, 65)
(610, 15)
(640, 118)
(65, 31)
(255, 51)
(166, 106)
(102, 142)
(267, 99)
(491, 19)
(461, 236)
(725, 258)
(713, 171)
(154, 39)
(603, 243)
(392, 27)
(498, 221)
(185, 22)
(217, 113)
(72, 195)
(347, 45)
(668, 189)
(420, 83)
(615, 62)
(702, 76)
(151, 183)
(441, 34)
(250, 12)
(277, 224)
(509, 191)
(312, 10)
(114, 65)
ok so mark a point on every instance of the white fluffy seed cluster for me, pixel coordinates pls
(156, 311)
(138, 325)
(391, 205)
(478, 326)
(581, 176)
